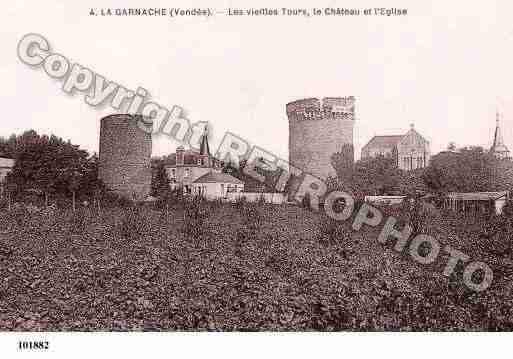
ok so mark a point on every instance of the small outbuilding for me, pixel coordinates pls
(216, 185)
(6, 166)
(476, 202)
(385, 200)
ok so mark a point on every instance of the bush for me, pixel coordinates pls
(133, 223)
(416, 215)
(335, 235)
(332, 232)
(252, 222)
(78, 221)
(252, 213)
(240, 203)
(113, 200)
(496, 236)
(167, 200)
(306, 201)
(283, 280)
(195, 215)
(20, 214)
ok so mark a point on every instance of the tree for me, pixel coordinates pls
(50, 164)
(376, 176)
(411, 183)
(160, 185)
(471, 169)
(74, 185)
(45, 182)
(343, 163)
(369, 176)
(252, 184)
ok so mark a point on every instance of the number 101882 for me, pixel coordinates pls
(33, 345)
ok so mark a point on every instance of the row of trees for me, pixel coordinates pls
(373, 176)
(469, 169)
(58, 168)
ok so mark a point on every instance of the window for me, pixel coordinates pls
(186, 172)
(173, 172)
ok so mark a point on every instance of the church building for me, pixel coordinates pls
(410, 151)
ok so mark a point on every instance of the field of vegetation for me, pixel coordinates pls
(224, 267)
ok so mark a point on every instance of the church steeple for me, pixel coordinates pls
(499, 149)
(205, 149)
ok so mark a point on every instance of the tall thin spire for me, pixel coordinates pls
(204, 148)
(204, 154)
(499, 149)
(497, 139)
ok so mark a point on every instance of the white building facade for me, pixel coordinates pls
(410, 151)
(197, 173)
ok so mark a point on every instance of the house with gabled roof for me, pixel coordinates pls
(410, 151)
(215, 185)
(198, 173)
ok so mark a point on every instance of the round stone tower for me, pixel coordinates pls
(125, 152)
(318, 129)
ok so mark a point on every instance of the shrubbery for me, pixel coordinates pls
(252, 217)
(134, 223)
(195, 215)
(78, 221)
(290, 269)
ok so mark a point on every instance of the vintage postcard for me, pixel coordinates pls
(169, 169)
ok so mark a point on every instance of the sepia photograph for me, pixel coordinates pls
(281, 178)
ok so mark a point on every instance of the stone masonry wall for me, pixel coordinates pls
(317, 130)
(125, 152)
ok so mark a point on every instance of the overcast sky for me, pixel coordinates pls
(445, 67)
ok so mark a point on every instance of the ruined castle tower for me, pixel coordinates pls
(125, 151)
(318, 129)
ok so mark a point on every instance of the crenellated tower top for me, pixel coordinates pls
(338, 108)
